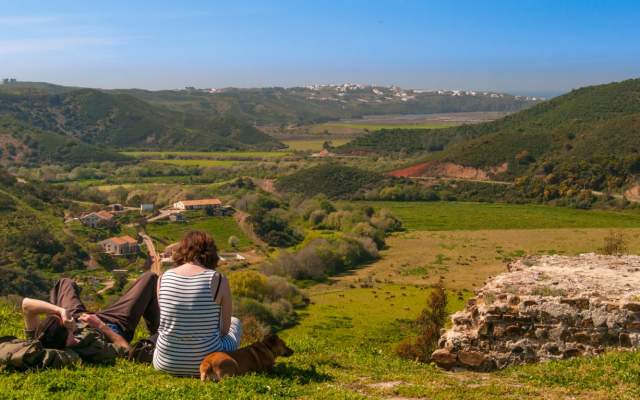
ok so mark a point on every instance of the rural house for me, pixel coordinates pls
(146, 207)
(120, 246)
(97, 218)
(197, 204)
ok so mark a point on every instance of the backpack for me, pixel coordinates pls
(21, 355)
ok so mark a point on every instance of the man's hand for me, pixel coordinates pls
(67, 320)
(92, 320)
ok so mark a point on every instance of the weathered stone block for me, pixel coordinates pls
(444, 358)
(471, 358)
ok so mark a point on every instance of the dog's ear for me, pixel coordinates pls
(270, 340)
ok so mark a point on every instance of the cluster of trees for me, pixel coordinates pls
(271, 219)
(323, 257)
(352, 236)
(330, 179)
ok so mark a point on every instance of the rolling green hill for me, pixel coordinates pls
(302, 105)
(589, 138)
(122, 121)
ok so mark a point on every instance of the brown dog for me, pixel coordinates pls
(260, 356)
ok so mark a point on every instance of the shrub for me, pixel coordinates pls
(429, 323)
(253, 330)
(251, 284)
(615, 244)
(317, 217)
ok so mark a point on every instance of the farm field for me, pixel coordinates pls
(311, 144)
(450, 216)
(165, 233)
(463, 259)
(201, 162)
(206, 154)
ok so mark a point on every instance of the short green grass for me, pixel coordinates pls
(343, 350)
(219, 227)
(312, 144)
(427, 216)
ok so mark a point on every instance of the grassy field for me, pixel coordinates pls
(201, 162)
(465, 259)
(311, 144)
(449, 216)
(206, 154)
(342, 351)
(221, 228)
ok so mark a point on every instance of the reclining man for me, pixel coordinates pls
(65, 315)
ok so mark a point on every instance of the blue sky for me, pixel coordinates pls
(516, 46)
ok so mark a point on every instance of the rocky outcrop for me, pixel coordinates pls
(449, 170)
(546, 308)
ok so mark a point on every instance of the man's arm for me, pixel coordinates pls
(113, 337)
(32, 309)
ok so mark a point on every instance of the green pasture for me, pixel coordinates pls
(312, 144)
(200, 162)
(220, 228)
(449, 216)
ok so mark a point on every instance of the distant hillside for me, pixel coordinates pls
(302, 105)
(122, 121)
(589, 138)
(332, 180)
(22, 143)
(32, 237)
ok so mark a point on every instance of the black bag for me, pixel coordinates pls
(142, 350)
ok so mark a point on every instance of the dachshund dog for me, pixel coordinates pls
(260, 356)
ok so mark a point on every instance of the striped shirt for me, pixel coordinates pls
(189, 323)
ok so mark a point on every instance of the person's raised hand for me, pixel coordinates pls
(67, 320)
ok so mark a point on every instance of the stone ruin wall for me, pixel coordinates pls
(546, 308)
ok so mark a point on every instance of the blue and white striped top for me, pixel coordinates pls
(189, 323)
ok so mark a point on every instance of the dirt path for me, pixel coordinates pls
(247, 228)
(148, 242)
(107, 285)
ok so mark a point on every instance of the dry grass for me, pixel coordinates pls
(464, 259)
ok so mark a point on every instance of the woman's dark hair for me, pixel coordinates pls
(197, 246)
(52, 333)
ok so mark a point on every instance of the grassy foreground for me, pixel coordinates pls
(344, 350)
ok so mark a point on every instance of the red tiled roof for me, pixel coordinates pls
(122, 240)
(202, 202)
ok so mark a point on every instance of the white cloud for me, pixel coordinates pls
(15, 46)
(18, 20)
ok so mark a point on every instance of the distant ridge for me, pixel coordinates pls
(588, 138)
